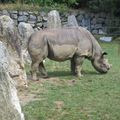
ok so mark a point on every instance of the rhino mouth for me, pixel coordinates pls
(100, 69)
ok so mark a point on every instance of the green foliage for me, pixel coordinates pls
(101, 5)
(39, 2)
(111, 6)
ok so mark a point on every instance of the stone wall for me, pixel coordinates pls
(96, 23)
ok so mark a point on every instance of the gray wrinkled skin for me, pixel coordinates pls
(74, 44)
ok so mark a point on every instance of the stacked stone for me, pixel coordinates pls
(96, 23)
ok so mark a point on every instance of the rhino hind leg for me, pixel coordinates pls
(34, 67)
(78, 61)
(43, 70)
(73, 66)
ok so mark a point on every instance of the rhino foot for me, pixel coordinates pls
(45, 77)
(79, 75)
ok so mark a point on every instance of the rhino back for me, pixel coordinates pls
(61, 44)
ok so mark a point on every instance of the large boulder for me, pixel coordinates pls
(10, 108)
(6, 23)
(25, 30)
(9, 36)
(53, 20)
(9, 31)
(72, 22)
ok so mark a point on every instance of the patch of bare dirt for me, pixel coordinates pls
(27, 95)
(59, 105)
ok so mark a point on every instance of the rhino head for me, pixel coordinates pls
(101, 64)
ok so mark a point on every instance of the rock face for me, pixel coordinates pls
(13, 44)
(91, 21)
(6, 23)
(72, 21)
(10, 108)
(53, 19)
(9, 31)
(25, 30)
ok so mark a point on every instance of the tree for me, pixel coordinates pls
(111, 6)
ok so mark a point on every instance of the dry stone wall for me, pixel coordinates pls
(96, 23)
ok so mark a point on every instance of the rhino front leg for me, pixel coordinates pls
(43, 70)
(78, 65)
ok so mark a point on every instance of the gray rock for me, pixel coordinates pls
(106, 39)
(45, 24)
(39, 24)
(95, 31)
(97, 16)
(25, 30)
(10, 108)
(1, 13)
(20, 13)
(100, 20)
(32, 18)
(32, 22)
(72, 21)
(54, 19)
(93, 21)
(92, 15)
(14, 16)
(98, 26)
(6, 25)
(44, 19)
(23, 13)
(4, 57)
(79, 17)
(8, 30)
(22, 18)
(5, 12)
(42, 14)
(15, 22)
(103, 15)
(39, 18)
(66, 14)
(100, 31)
(92, 27)
(14, 12)
(10, 39)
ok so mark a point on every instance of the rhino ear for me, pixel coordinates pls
(104, 53)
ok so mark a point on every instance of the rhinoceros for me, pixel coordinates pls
(74, 44)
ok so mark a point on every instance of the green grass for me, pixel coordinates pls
(64, 97)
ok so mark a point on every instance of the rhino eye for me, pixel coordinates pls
(104, 64)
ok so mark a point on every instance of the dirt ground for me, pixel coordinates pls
(26, 94)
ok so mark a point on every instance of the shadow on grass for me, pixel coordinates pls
(68, 73)
(87, 72)
(59, 73)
